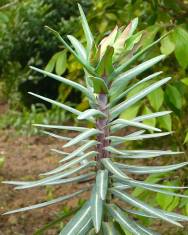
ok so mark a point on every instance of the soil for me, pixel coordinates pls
(25, 159)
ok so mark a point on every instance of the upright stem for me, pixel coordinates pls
(101, 124)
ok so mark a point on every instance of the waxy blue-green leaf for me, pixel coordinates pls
(151, 115)
(56, 136)
(78, 221)
(63, 106)
(60, 152)
(123, 94)
(80, 178)
(40, 205)
(123, 219)
(118, 140)
(136, 183)
(137, 203)
(31, 184)
(135, 124)
(162, 191)
(71, 83)
(87, 31)
(171, 215)
(83, 136)
(150, 169)
(134, 154)
(71, 163)
(79, 59)
(102, 183)
(70, 128)
(110, 166)
(122, 79)
(121, 186)
(79, 150)
(96, 209)
(147, 231)
(141, 118)
(89, 113)
(85, 229)
(78, 47)
(136, 56)
(125, 104)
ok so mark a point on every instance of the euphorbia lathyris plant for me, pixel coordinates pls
(108, 80)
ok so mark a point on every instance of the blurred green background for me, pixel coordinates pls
(24, 42)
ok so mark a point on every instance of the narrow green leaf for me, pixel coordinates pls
(71, 163)
(76, 179)
(60, 199)
(137, 183)
(78, 221)
(137, 203)
(84, 63)
(135, 124)
(122, 79)
(136, 56)
(63, 106)
(109, 165)
(84, 135)
(56, 136)
(151, 115)
(102, 183)
(171, 215)
(118, 140)
(78, 47)
(125, 104)
(132, 154)
(90, 113)
(96, 209)
(122, 219)
(31, 184)
(79, 150)
(87, 31)
(71, 83)
(151, 169)
(70, 128)
(142, 118)
(85, 229)
(123, 94)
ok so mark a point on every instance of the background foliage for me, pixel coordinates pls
(24, 42)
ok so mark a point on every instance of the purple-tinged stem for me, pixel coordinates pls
(101, 124)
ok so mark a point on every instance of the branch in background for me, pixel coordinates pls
(8, 5)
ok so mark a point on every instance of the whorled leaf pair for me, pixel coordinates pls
(107, 77)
